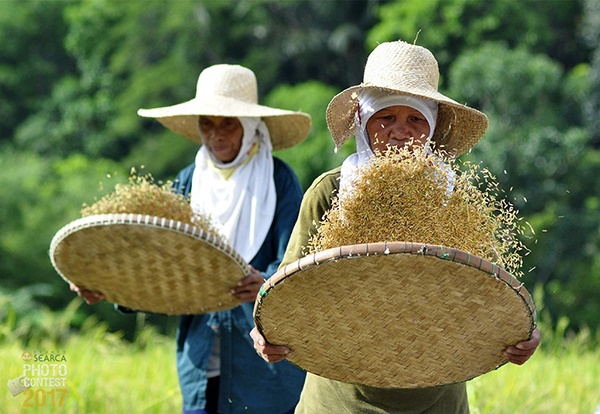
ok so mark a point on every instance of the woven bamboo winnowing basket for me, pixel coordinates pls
(402, 315)
(148, 263)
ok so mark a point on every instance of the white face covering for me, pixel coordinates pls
(242, 206)
(370, 102)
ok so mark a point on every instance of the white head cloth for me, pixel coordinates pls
(243, 205)
(369, 102)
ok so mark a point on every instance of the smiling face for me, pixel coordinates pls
(222, 135)
(395, 126)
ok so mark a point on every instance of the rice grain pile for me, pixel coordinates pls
(406, 196)
(141, 195)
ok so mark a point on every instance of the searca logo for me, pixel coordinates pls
(43, 357)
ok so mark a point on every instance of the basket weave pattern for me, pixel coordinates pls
(148, 263)
(383, 314)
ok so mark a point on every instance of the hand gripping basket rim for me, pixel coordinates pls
(148, 263)
(396, 314)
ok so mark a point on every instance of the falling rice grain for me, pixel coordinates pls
(414, 197)
(141, 195)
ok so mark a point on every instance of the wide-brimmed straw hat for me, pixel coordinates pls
(231, 90)
(401, 68)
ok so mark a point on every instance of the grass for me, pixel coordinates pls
(107, 374)
(547, 383)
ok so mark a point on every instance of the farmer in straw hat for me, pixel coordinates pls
(255, 199)
(397, 105)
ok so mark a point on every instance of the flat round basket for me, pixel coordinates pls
(148, 263)
(402, 315)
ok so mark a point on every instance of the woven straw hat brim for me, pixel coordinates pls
(402, 68)
(148, 263)
(286, 128)
(402, 315)
(459, 127)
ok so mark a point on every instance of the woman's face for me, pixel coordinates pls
(222, 135)
(395, 126)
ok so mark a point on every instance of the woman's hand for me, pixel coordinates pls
(268, 352)
(521, 352)
(247, 288)
(90, 296)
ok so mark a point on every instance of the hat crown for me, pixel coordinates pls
(403, 67)
(229, 81)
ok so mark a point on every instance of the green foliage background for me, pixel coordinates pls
(74, 73)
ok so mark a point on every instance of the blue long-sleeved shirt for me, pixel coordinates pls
(248, 384)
